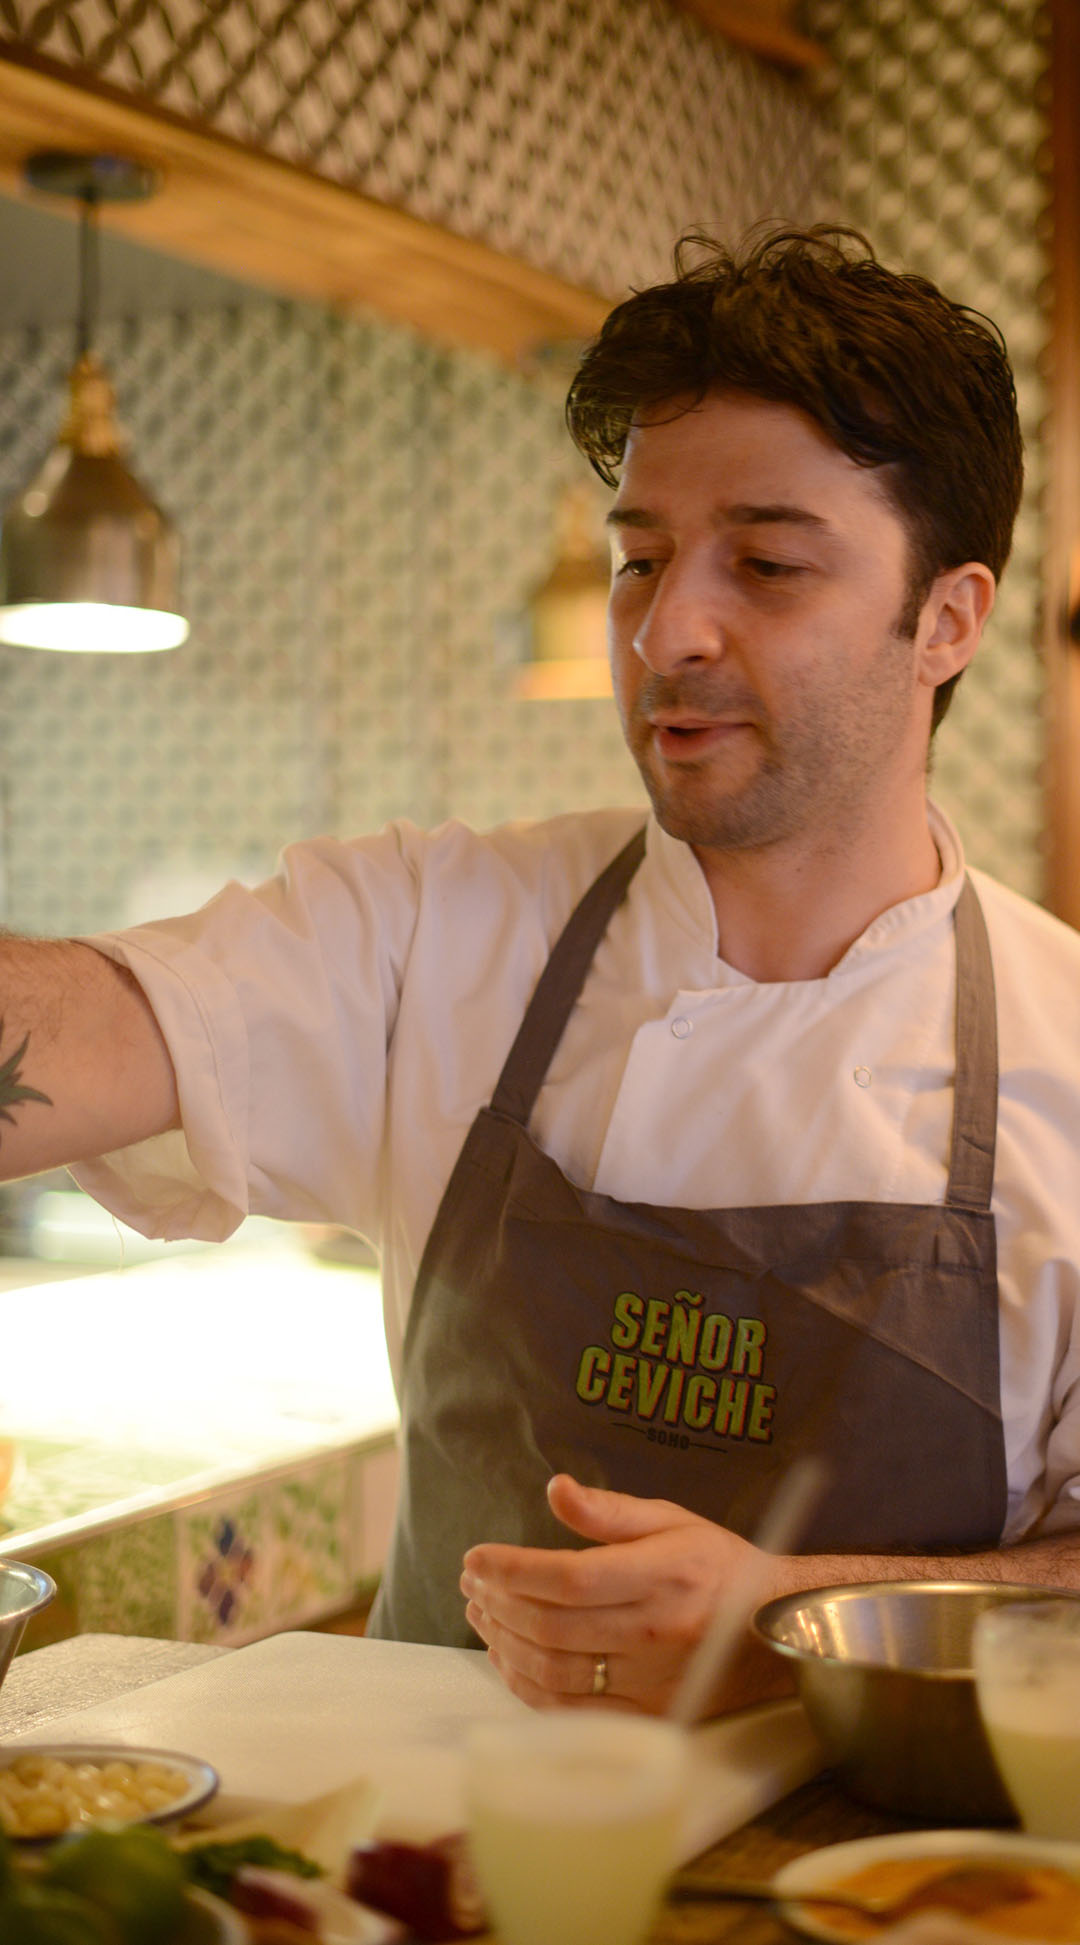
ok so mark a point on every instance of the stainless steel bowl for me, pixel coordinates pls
(24, 1591)
(885, 1674)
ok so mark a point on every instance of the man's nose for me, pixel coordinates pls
(685, 622)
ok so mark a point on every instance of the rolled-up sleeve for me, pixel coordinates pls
(278, 1006)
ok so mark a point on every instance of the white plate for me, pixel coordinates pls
(201, 1778)
(819, 1868)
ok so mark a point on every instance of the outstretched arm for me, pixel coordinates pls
(643, 1597)
(83, 1065)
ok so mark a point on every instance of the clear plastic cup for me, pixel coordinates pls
(574, 1818)
(1027, 1679)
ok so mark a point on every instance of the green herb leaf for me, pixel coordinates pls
(213, 1866)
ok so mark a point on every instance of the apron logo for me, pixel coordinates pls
(677, 1364)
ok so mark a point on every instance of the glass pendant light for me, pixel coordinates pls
(88, 561)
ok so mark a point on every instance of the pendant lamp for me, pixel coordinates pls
(88, 561)
(568, 657)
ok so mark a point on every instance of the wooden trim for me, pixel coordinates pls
(274, 224)
(1062, 578)
(764, 26)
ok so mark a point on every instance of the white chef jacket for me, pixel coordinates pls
(336, 1030)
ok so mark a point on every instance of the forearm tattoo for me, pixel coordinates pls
(12, 1089)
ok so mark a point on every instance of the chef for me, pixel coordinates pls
(694, 1141)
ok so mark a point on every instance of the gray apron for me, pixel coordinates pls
(690, 1354)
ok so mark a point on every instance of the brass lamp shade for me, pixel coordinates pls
(568, 613)
(87, 560)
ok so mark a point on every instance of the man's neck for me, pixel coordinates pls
(791, 912)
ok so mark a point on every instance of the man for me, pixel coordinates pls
(685, 1155)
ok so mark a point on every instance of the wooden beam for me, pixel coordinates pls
(268, 222)
(764, 26)
(1061, 605)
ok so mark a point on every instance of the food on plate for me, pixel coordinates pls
(430, 1887)
(45, 1917)
(307, 1871)
(94, 1887)
(132, 1884)
(130, 1874)
(43, 1795)
(282, 1893)
(324, 1829)
(1012, 1897)
(213, 1864)
(277, 1895)
(283, 1910)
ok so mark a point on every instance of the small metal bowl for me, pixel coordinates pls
(23, 1591)
(886, 1676)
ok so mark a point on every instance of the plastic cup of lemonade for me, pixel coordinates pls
(574, 1819)
(1027, 1679)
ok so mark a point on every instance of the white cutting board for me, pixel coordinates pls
(298, 1714)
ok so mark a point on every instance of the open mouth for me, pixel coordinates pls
(692, 739)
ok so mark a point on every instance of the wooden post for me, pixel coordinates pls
(1061, 611)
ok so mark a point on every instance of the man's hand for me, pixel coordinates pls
(642, 1598)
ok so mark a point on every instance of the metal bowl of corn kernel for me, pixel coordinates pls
(47, 1789)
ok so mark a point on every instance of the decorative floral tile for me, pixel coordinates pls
(126, 1580)
(121, 1582)
(256, 1557)
(223, 1582)
(307, 1520)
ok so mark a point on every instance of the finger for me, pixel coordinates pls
(539, 1698)
(600, 1577)
(570, 1630)
(598, 1514)
(559, 1675)
(658, 1567)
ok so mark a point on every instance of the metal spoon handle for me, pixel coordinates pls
(753, 1890)
(694, 1893)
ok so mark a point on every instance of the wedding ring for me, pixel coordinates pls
(599, 1675)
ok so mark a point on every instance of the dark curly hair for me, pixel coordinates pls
(894, 372)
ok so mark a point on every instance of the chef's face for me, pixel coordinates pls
(759, 576)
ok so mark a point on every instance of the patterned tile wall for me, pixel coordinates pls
(364, 514)
(938, 111)
(579, 134)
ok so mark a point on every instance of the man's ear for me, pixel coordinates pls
(953, 617)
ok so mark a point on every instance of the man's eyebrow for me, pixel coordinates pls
(742, 514)
(630, 517)
(779, 514)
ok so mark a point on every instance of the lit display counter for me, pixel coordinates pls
(204, 1444)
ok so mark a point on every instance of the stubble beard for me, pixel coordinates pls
(692, 804)
(813, 776)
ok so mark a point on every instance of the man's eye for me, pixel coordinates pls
(770, 570)
(638, 567)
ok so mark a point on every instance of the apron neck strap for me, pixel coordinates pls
(560, 983)
(975, 1091)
